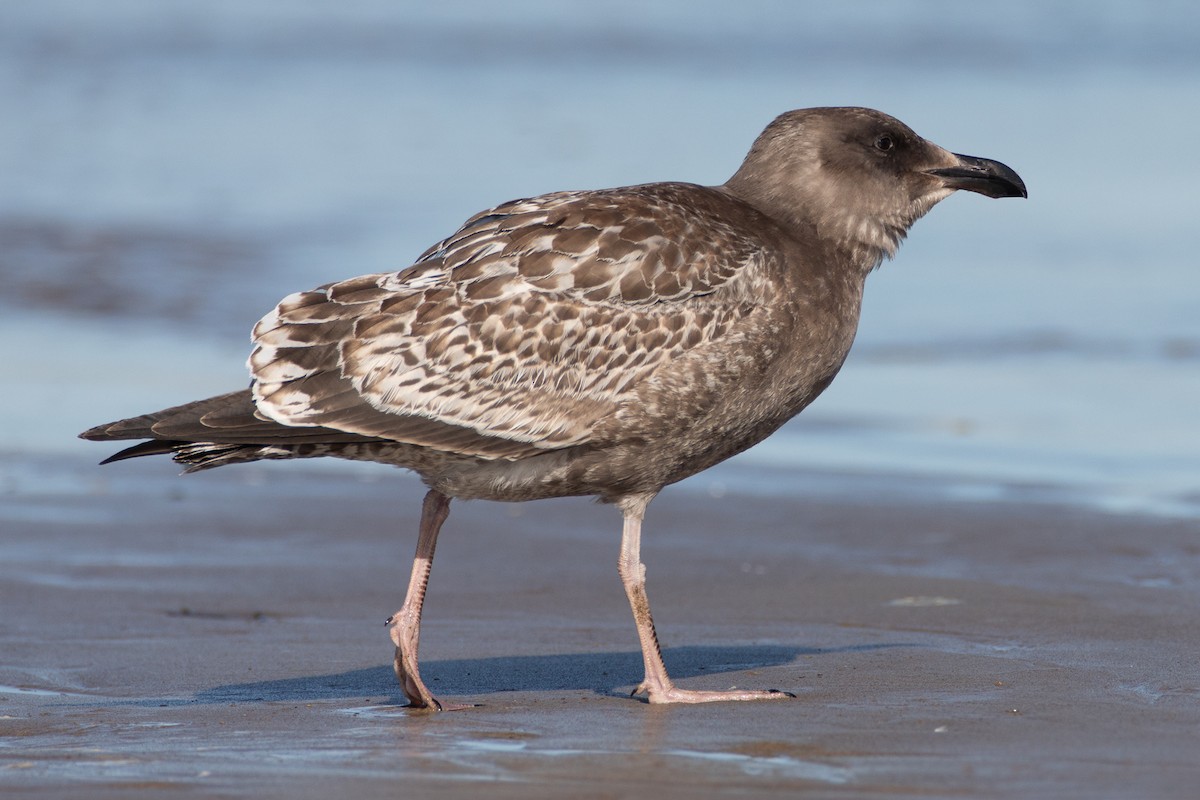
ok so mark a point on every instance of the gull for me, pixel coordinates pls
(601, 343)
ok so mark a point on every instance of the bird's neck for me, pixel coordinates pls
(862, 240)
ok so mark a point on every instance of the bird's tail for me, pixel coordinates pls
(221, 430)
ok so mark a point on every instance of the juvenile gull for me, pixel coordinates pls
(603, 343)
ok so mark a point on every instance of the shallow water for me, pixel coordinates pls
(173, 170)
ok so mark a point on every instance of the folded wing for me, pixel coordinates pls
(517, 334)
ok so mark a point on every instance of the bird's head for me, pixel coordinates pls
(858, 177)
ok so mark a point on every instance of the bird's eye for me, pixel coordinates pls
(884, 143)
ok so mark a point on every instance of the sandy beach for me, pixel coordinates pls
(222, 636)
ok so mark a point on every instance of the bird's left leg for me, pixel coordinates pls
(657, 685)
(405, 624)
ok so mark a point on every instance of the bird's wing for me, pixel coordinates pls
(515, 335)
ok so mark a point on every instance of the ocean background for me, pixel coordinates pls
(168, 171)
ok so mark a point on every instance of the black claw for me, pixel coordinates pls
(388, 621)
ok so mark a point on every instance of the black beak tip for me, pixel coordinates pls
(1008, 183)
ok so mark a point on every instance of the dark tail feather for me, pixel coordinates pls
(188, 417)
(155, 447)
(217, 431)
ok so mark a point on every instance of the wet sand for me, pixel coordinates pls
(222, 636)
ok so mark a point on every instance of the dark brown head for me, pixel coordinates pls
(858, 177)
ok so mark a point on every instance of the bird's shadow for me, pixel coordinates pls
(601, 673)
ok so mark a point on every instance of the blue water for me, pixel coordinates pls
(169, 170)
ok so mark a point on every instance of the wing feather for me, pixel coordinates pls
(517, 334)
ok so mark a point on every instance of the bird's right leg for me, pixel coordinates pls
(405, 624)
(657, 685)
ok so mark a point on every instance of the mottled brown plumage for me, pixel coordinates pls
(602, 343)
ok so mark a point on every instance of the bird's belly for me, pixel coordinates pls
(655, 454)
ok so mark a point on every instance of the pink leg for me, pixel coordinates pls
(405, 624)
(658, 685)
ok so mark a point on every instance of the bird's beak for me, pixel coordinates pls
(981, 175)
